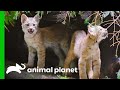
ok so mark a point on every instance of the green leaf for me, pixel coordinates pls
(6, 20)
(86, 21)
(118, 74)
(16, 15)
(62, 77)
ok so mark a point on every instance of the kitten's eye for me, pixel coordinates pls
(27, 24)
(33, 24)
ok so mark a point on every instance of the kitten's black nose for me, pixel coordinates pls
(30, 30)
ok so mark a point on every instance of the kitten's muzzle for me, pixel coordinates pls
(30, 31)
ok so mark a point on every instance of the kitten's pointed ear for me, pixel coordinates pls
(91, 29)
(37, 17)
(23, 18)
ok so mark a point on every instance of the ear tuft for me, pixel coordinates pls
(23, 18)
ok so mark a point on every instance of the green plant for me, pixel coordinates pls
(106, 77)
(62, 77)
(12, 16)
(118, 74)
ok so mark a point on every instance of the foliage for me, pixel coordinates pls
(12, 16)
(118, 74)
(115, 22)
(111, 13)
(62, 77)
(106, 77)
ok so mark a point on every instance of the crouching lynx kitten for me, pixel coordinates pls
(86, 49)
(38, 39)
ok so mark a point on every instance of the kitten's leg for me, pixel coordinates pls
(31, 57)
(69, 58)
(68, 61)
(64, 47)
(70, 55)
(41, 57)
(96, 68)
(82, 69)
(89, 69)
(61, 57)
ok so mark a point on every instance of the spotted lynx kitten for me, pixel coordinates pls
(38, 39)
(86, 49)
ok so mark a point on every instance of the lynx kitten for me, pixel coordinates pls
(38, 39)
(86, 49)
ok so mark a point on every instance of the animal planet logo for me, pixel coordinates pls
(16, 68)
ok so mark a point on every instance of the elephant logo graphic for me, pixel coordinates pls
(16, 68)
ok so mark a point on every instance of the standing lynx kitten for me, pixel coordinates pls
(86, 49)
(38, 39)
